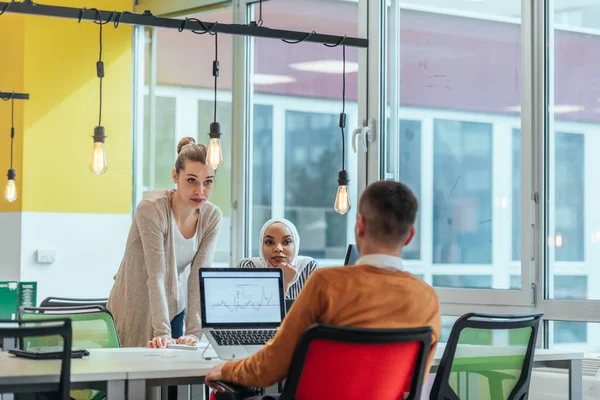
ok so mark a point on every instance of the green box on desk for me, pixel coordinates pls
(9, 299)
(27, 294)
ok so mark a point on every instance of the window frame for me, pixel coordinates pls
(244, 98)
(554, 309)
(537, 54)
(454, 298)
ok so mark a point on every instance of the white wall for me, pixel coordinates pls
(89, 249)
(10, 245)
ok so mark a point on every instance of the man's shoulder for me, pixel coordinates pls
(330, 274)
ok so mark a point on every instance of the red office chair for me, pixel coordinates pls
(352, 363)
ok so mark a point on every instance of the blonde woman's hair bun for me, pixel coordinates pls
(184, 142)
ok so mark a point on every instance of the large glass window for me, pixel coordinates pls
(462, 281)
(262, 168)
(453, 93)
(178, 102)
(296, 146)
(308, 15)
(410, 174)
(462, 186)
(572, 141)
(163, 137)
(569, 186)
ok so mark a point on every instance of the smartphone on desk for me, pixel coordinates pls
(182, 346)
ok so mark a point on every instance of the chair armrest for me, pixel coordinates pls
(232, 391)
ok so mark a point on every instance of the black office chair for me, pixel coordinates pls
(497, 376)
(72, 302)
(333, 362)
(48, 327)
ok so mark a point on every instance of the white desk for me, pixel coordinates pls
(100, 372)
(144, 368)
(157, 367)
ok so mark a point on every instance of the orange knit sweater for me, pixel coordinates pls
(360, 296)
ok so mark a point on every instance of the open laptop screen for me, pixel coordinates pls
(351, 255)
(234, 297)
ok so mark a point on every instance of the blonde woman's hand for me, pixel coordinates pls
(159, 342)
(187, 340)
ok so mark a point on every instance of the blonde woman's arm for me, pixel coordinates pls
(152, 226)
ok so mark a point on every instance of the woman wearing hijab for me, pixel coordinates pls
(279, 247)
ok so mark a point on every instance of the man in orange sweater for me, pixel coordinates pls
(374, 293)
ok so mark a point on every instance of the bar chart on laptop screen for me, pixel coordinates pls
(231, 300)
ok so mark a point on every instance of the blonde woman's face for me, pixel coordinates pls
(194, 183)
(278, 245)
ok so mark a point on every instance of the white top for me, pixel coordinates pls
(384, 261)
(185, 250)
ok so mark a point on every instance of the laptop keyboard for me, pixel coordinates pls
(250, 337)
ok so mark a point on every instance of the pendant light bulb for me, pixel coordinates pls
(98, 164)
(342, 199)
(214, 158)
(10, 191)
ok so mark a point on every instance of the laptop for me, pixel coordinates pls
(241, 308)
(351, 255)
(288, 305)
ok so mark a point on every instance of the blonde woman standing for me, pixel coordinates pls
(173, 235)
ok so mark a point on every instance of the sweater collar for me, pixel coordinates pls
(384, 261)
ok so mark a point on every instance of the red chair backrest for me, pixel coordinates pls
(345, 370)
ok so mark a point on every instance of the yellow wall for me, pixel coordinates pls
(59, 72)
(11, 79)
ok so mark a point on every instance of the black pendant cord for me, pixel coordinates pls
(12, 130)
(205, 29)
(215, 71)
(101, 76)
(260, 20)
(216, 75)
(12, 125)
(100, 64)
(343, 114)
(343, 125)
(6, 7)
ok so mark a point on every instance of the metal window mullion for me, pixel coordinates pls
(139, 45)
(152, 105)
(371, 86)
(241, 184)
(537, 162)
(393, 74)
(529, 129)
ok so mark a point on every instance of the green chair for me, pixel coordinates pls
(72, 302)
(93, 328)
(495, 369)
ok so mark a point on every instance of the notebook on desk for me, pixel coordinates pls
(241, 308)
(47, 354)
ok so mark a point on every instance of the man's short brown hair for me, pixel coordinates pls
(389, 209)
